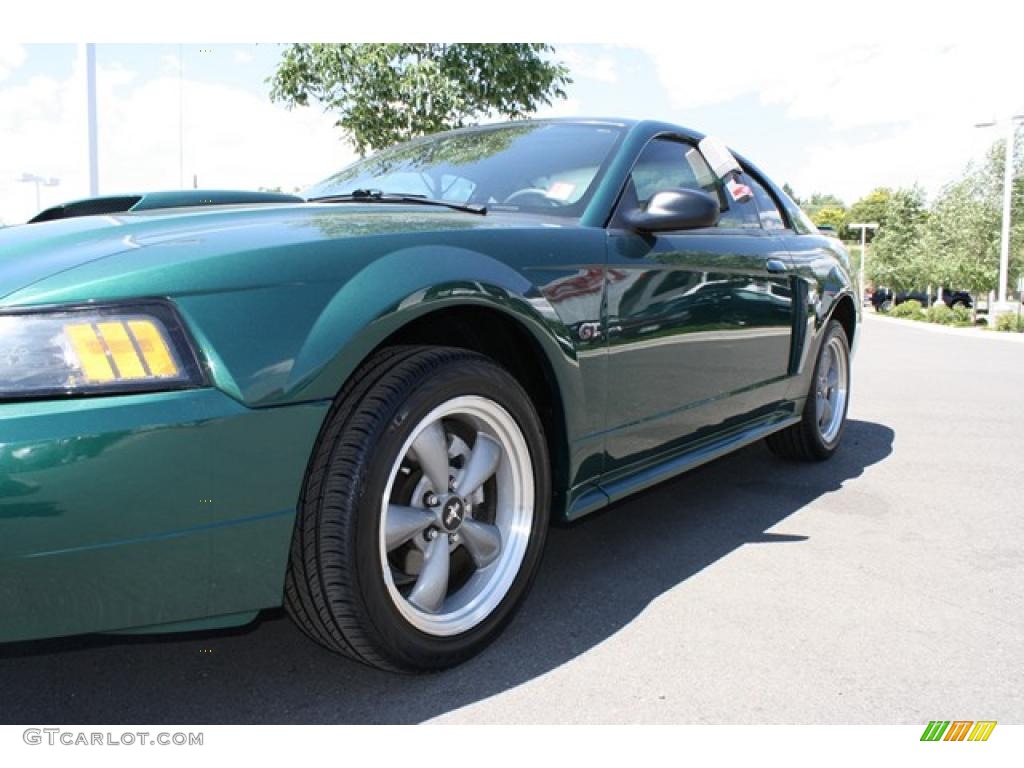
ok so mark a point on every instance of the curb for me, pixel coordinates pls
(1010, 336)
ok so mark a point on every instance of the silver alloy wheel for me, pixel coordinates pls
(830, 389)
(446, 513)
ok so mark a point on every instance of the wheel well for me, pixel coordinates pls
(494, 334)
(846, 314)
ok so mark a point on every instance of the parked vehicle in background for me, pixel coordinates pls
(882, 299)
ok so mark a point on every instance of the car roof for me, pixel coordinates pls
(652, 126)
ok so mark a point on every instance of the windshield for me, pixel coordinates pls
(536, 166)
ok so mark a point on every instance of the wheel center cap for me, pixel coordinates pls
(452, 513)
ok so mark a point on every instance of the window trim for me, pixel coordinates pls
(783, 211)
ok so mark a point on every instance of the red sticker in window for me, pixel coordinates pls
(741, 193)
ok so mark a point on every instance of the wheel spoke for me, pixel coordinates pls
(481, 540)
(432, 584)
(482, 464)
(430, 449)
(403, 523)
(833, 377)
(826, 412)
(828, 362)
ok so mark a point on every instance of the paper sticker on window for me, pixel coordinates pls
(741, 193)
(701, 171)
(561, 190)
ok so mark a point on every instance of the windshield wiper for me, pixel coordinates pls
(376, 196)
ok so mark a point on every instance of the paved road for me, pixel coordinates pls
(884, 586)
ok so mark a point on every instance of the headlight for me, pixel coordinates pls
(95, 350)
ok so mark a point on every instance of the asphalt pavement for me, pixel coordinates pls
(883, 586)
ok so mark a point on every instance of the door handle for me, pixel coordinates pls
(775, 266)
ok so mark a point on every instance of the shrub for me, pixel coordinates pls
(908, 309)
(939, 313)
(962, 316)
(1011, 321)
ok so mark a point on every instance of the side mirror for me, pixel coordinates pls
(673, 209)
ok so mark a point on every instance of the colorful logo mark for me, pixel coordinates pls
(958, 730)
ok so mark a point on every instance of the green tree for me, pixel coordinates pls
(819, 200)
(384, 93)
(897, 258)
(825, 209)
(873, 207)
(823, 200)
(962, 237)
(830, 216)
(790, 193)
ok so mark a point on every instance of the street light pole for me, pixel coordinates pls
(39, 181)
(90, 88)
(863, 227)
(1004, 239)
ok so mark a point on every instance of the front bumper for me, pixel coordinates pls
(139, 510)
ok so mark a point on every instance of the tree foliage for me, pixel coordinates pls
(819, 200)
(897, 259)
(384, 93)
(962, 237)
(829, 216)
(872, 208)
(823, 200)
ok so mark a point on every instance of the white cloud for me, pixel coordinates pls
(232, 138)
(170, 63)
(11, 57)
(569, 107)
(598, 66)
(873, 67)
(241, 56)
(915, 153)
(914, 81)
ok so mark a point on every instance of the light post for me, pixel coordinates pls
(1004, 241)
(863, 227)
(90, 98)
(39, 181)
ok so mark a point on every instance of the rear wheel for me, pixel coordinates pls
(424, 512)
(816, 436)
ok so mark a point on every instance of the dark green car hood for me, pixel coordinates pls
(33, 253)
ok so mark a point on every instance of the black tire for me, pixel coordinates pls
(803, 441)
(334, 588)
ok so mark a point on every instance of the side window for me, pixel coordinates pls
(771, 216)
(664, 164)
(740, 215)
(667, 163)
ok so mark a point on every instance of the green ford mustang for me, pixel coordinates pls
(368, 405)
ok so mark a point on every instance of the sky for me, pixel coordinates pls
(838, 110)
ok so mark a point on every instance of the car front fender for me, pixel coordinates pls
(407, 284)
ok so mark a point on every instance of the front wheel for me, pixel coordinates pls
(816, 436)
(424, 514)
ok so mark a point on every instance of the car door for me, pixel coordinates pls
(700, 322)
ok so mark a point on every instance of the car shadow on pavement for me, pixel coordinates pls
(597, 576)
